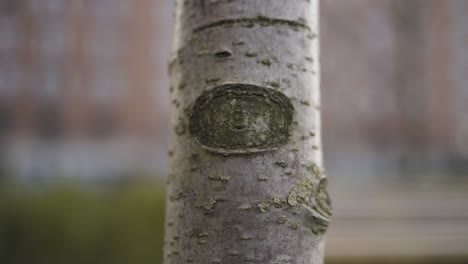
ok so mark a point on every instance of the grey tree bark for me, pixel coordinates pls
(246, 182)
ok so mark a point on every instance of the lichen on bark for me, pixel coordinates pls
(241, 118)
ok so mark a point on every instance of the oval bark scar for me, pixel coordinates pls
(241, 118)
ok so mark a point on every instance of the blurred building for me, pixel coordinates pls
(395, 87)
(83, 86)
(394, 95)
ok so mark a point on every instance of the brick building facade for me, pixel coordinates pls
(83, 73)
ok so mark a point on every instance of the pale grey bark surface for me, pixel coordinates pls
(246, 181)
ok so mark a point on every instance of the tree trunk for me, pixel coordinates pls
(246, 181)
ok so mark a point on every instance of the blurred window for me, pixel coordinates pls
(108, 83)
(51, 75)
(8, 35)
(52, 37)
(77, 7)
(48, 7)
(8, 7)
(110, 8)
(49, 122)
(104, 123)
(104, 39)
(6, 121)
(9, 76)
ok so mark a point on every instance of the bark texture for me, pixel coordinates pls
(246, 181)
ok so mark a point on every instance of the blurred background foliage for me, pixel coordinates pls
(68, 223)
